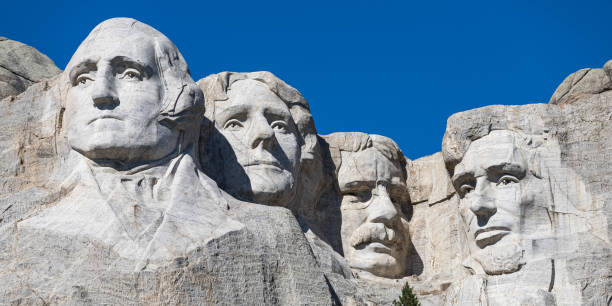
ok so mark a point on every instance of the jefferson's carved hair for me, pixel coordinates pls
(216, 86)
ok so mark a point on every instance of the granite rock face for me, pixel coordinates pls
(22, 66)
(123, 181)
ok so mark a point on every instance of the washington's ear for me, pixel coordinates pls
(183, 101)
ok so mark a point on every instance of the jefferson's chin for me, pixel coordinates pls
(271, 185)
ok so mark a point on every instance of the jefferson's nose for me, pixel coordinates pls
(261, 133)
(382, 209)
(103, 92)
(482, 202)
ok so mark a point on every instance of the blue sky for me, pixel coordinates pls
(396, 68)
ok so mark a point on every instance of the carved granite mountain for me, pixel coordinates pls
(516, 209)
(22, 66)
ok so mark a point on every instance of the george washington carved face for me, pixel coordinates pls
(115, 98)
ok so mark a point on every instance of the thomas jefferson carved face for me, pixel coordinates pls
(115, 99)
(374, 229)
(492, 182)
(258, 126)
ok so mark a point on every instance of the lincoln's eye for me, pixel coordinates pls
(507, 179)
(279, 126)
(233, 125)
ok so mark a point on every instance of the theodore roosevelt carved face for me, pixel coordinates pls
(374, 228)
(491, 180)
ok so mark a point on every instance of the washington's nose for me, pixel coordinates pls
(103, 92)
(482, 202)
(261, 133)
(382, 209)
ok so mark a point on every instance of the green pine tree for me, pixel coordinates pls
(408, 298)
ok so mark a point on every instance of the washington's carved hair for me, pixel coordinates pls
(216, 86)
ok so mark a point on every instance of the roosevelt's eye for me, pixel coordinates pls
(279, 126)
(233, 125)
(83, 80)
(131, 74)
(465, 189)
(507, 180)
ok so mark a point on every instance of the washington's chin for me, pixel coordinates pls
(377, 260)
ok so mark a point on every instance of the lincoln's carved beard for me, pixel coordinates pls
(506, 256)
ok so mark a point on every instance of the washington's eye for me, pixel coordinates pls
(280, 126)
(131, 74)
(233, 125)
(466, 188)
(83, 80)
(507, 180)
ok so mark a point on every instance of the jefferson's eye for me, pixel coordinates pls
(359, 196)
(83, 80)
(131, 74)
(507, 180)
(279, 125)
(233, 125)
(466, 188)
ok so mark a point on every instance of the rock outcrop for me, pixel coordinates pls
(22, 66)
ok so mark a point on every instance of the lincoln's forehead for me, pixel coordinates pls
(497, 148)
(367, 166)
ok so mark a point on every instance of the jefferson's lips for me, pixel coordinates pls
(262, 162)
(104, 117)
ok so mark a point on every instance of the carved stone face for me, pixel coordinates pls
(374, 228)
(258, 126)
(115, 98)
(491, 180)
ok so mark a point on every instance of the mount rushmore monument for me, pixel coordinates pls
(124, 181)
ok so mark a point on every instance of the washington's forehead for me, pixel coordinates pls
(368, 165)
(137, 46)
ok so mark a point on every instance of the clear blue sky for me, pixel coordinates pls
(395, 68)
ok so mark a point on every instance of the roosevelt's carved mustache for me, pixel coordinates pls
(373, 232)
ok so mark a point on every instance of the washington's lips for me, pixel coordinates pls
(104, 117)
(490, 235)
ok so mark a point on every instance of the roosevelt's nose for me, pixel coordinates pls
(261, 133)
(382, 209)
(482, 202)
(103, 92)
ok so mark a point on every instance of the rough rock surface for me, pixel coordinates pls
(554, 209)
(22, 66)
